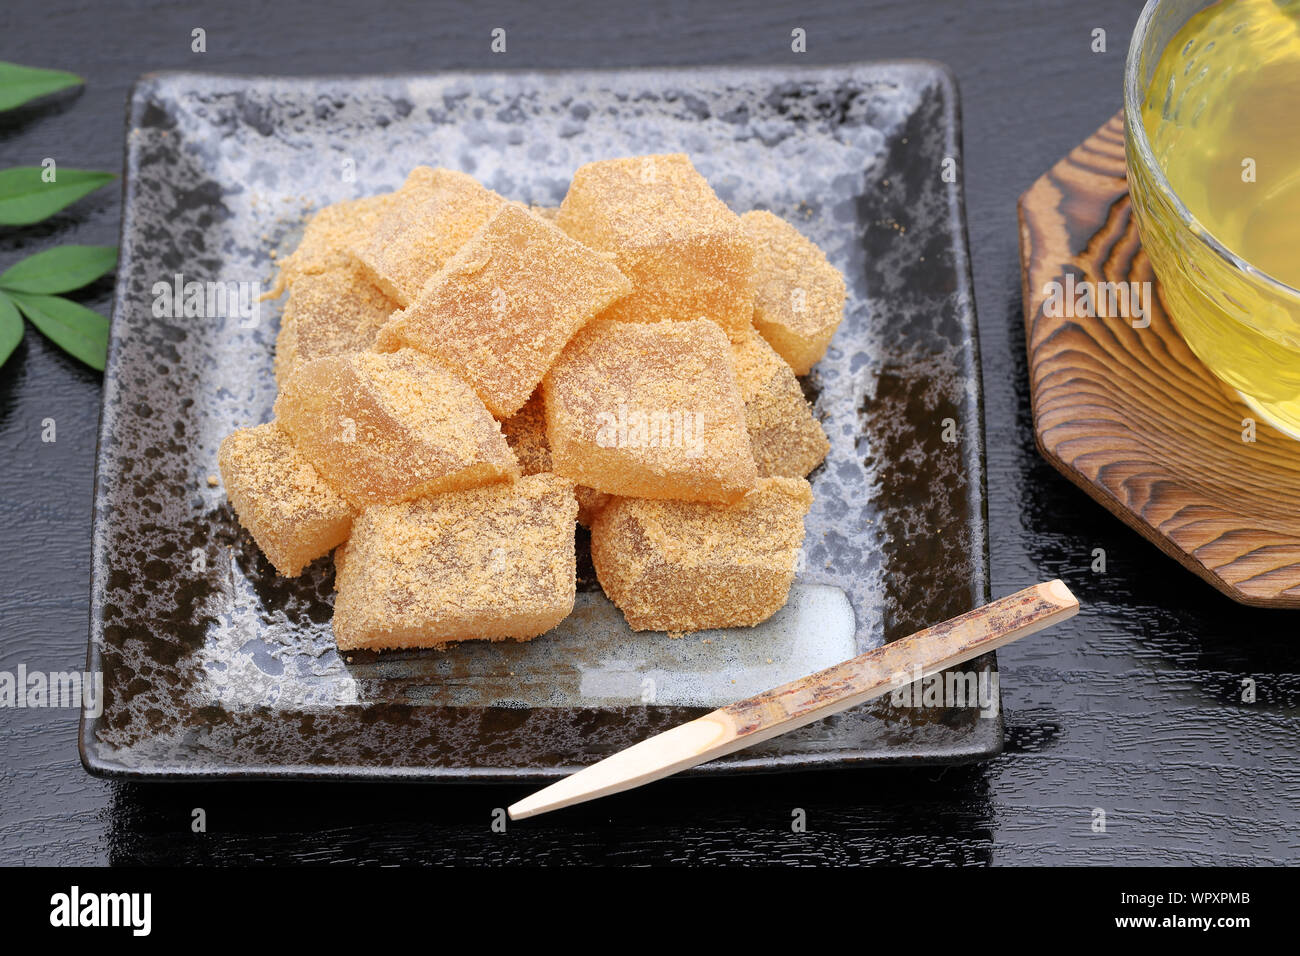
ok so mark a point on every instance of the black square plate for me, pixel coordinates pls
(214, 665)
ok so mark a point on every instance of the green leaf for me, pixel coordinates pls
(25, 198)
(60, 269)
(21, 84)
(81, 333)
(11, 329)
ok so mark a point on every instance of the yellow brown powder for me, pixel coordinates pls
(669, 233)
(798, 295)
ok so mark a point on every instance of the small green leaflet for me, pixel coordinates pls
(81, 333)
(11, 329)
(60, 269)
(21, 84)
(26, 198)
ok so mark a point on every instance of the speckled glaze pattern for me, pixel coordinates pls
(214, 665)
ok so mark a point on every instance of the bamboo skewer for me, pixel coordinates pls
(811, 698)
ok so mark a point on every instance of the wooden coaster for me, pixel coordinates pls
(1130, 415)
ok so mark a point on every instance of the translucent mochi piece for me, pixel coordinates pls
(590, 503)
(526, 433)
(798, 295)
(385, 428)
(434, 213)
(292, 514)
(685, 566)
(683, 249)
(330, 233)
(328, 313)
(785, 437)
(649, 411)
(485, 564)
(504, 306)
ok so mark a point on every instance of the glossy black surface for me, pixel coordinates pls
(1134, 707)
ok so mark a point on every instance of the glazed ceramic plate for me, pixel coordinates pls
(214, 665)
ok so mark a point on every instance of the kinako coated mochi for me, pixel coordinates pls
(649, 410)
(785, 437)
(798, 295)
(292, 514)
(687, 566)
(503, 307)
(526, 433)
(489, 563)
(667, 231)
(462, 377)
(329, 236)
(435, 213)
(329, 313)
(383, 428)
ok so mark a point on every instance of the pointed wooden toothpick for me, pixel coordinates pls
(811, 698)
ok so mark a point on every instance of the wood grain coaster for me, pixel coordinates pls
(1130, 415)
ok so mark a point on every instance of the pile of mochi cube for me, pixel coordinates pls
(464, 379)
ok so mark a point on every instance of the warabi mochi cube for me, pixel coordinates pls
(329, 236)
(785, 437)
(687, 566)
(485, 564)
(504, 306)
(292, 514)
(590, 503)
(328, 313)
(340, 555)
(683, 249)
(650, 410)
(382, 428)
(798, 294)
(435, 213)
(526, 433)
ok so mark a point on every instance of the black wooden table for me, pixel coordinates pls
(1133, 708)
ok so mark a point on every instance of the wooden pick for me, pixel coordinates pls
(811, 698)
